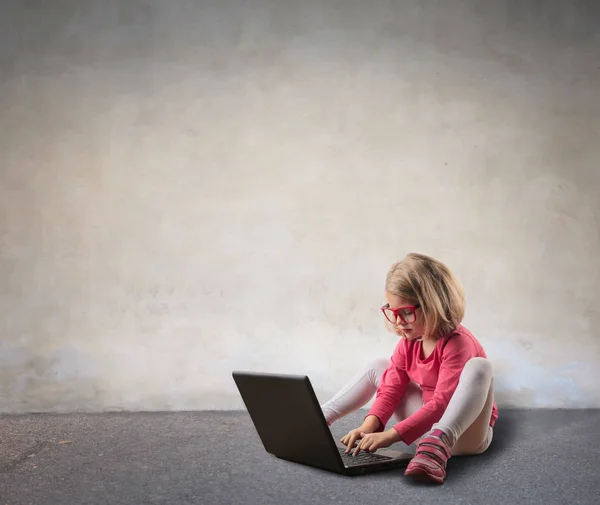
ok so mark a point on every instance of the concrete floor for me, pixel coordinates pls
(207, 458)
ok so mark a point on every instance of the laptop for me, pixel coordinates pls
(292, 427)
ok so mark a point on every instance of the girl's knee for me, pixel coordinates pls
(479, 369)
(379, 365)
(375, 370)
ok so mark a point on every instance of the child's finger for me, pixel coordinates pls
(350, 443)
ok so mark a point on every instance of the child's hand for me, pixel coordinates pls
(372, 441)
(351, 437)
(370, 424)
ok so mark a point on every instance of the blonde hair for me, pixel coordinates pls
(428, 282)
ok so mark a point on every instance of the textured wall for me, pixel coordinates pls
(192, 187)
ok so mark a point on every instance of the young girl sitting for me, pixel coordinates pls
(438, 382)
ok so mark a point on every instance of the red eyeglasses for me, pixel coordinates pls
(406, 314)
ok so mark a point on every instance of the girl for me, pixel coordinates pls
(438, 382)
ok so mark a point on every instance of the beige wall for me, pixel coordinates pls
(188, 188)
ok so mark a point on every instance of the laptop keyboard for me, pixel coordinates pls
(361, 458)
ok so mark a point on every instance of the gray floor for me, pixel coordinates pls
(207, 458)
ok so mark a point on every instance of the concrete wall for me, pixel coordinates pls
(192, 187)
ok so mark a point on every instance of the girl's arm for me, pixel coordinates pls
(390, 390)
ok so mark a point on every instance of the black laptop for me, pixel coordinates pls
(291, 426)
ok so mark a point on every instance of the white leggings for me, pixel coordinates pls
(466, 420)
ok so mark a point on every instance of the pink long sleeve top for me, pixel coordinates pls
(437, 375)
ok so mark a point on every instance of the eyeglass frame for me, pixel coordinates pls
(413, 309)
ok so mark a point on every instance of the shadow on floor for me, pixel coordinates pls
(505, 437)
